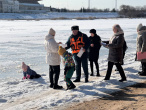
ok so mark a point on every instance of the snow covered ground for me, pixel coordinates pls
(23, 41)
(56, 15)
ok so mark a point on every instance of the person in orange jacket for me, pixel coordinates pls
(77, 41)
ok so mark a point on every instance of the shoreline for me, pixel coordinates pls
(62, 18)
(131, 97)
(57, 16)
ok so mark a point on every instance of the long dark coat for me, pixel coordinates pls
(94, 51)
(116, 49)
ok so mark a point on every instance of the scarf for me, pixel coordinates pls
(141, 32)
(115, 35)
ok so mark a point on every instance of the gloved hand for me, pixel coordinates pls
(24, 78)
(28, 76)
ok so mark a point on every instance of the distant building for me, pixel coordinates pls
(30, 6)
(9, 6)
(47, 9)
(29, 1)
(22, 6)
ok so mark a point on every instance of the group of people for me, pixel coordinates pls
(90, 47)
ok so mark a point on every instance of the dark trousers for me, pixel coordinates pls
(54, 72)
(109, 70)
(78, 61)
(35, 75)
(96, 64)
(143, 67)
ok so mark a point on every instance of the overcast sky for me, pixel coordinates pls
(99, 4)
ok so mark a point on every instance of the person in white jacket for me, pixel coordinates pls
(53, 59)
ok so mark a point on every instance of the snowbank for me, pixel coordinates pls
(55, 15)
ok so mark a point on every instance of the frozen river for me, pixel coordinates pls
(22, 40)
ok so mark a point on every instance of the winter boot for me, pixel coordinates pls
(57, 87)
(76, 80)
(67, 86)
(122, 80)
(86, 80)
(142, 73)
(91, 74)
(97, 74)
(51, 85)
(72, 86)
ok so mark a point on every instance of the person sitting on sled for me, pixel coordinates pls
(29, 73)
(69, 67)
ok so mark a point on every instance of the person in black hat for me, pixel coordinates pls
(75, 28)
(76, 42)
(94, 51)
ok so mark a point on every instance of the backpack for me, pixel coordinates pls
(125, 47)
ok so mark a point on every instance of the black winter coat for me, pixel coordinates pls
(94, 51)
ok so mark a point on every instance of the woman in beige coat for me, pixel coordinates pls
(141, 46)
(115, 57)
(53, 59)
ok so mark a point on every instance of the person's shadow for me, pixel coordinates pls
(131, 70)
(3, 100)
(40, 80)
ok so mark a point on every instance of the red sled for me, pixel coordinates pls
(141, 56)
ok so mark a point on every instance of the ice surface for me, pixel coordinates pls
(24, 41)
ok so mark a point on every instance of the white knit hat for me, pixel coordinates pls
(139, 26)
(24, 67)
(52, 32)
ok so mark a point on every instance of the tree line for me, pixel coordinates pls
(124, 11)
(130, 11)
(81, 10)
